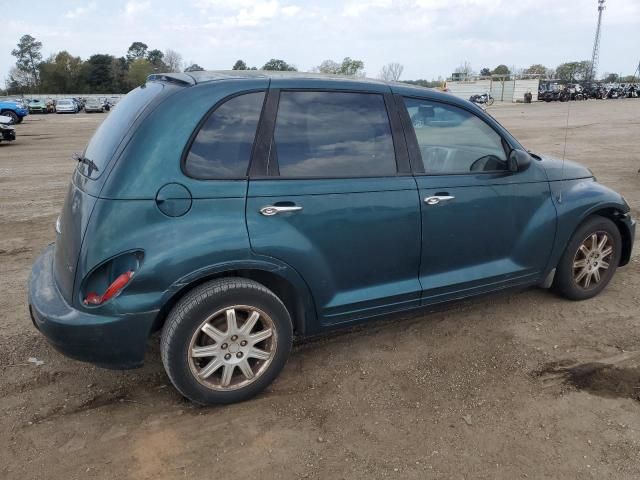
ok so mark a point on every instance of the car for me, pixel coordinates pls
(37, 106)
(16, 111)
(232, 211)
(66, 105)
(93, 105)
(7, 132)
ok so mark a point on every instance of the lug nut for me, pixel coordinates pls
(227, 356)
(224, 346)
(234, 338)
(239, 354)
(243, 343)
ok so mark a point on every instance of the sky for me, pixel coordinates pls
(430, 38)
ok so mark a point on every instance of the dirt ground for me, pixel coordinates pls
(480, 390)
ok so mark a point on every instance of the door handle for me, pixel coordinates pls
(435, 200)
(271, 210)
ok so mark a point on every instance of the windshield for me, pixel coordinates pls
(64, 102)
(115, 126)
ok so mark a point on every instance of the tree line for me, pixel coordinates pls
(569, 72)
(63, 72)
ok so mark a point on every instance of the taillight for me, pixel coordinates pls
(108, 279)
(112, 290)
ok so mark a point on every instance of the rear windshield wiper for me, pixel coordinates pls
(82, 159)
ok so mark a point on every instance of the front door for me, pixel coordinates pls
(335, 206)
(483, 226)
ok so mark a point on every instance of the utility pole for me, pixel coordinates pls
(596, 44)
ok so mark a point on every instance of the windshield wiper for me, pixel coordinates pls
(82, 159)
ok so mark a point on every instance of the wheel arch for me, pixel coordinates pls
(286, 284)
(617, 216)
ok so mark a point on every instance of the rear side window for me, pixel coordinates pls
(113, 129)
(332, 134)
(222, 147)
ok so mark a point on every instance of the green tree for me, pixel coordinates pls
(573, 71)
(536, 69)
(155, 58)
(136, 51)
(62, 73)
(485, 72)
(28, 57)
(119, 74)
(279, 65)
(98, 73)
(139, 70)
(240, 65)
(612, 78)
(194, 67)
(352, 67)
(501, 70)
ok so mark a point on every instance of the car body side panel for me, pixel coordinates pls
(356, 242)
(211, 233)
(575, 200)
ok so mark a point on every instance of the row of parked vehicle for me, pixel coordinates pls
(17, 109)
(563, 93)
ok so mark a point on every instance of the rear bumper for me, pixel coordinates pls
(117, 342)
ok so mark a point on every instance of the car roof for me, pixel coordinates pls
(206, 76)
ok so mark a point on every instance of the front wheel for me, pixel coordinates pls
(490, 101)
(12, 115)
(590, 259)
(225, 341)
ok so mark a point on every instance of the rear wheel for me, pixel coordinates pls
(490, 101)
(590, 260)
(226, 341)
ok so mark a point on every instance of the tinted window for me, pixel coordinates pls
(223, 145)
(453, 140)
(112, 130)
(333, 134)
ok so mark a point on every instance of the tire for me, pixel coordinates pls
(567, 281)
(490, 101)
(13, 115)
(201, 322)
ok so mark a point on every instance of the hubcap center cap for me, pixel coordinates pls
(234, 348)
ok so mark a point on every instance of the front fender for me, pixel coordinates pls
(575, 201)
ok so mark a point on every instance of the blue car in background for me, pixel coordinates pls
(233, 211)
(14, 110)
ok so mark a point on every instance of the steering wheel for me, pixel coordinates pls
(487, 163)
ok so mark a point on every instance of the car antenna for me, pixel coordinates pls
(564, 152)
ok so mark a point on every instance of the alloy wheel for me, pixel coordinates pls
(592, 260)
(232, 348)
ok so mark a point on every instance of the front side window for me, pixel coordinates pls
(332, 134)
(222, 147)
(453, 140)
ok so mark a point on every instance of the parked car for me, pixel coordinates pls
(233, 212)
(66, 105)
(14, 110)
(37, 106)
(7, 132)
(93, 105)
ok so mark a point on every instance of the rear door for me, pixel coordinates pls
(483, 226)
(331, 195)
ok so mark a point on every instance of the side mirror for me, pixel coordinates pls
(519, 160)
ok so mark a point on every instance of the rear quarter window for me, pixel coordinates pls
(113, 129)
(222, 146)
